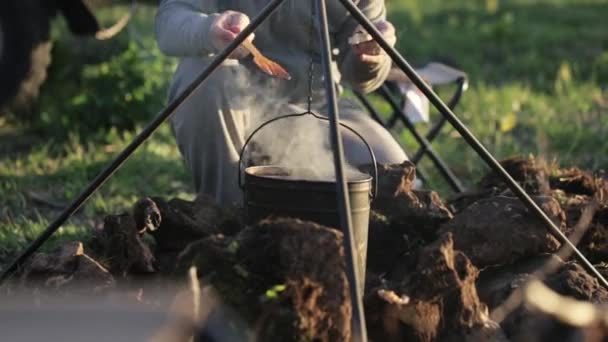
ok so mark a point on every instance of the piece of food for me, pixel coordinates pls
(359, 37)
(266, 65)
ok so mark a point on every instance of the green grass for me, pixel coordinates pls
(58, 172)
(538, 73)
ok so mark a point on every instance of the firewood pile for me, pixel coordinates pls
(477, 267)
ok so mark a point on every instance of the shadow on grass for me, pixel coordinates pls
(146, 173)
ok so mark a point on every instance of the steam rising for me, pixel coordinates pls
(296, 143)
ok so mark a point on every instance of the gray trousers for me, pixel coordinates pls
(212, 125)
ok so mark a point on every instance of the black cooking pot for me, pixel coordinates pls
(298, 193)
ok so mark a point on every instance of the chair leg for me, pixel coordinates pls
(445, 171)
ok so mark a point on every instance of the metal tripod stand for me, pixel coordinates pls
(359, 331)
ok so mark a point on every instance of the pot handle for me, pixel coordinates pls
(369, 148)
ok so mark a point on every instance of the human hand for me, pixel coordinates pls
(224, 30)
(368, 50)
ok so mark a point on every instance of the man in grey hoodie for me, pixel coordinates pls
(211, 126)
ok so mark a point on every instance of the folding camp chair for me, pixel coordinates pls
(397, 91)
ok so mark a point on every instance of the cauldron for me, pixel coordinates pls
(277, 191)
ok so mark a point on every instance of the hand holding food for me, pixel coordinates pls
(368, 49)
(224, 30)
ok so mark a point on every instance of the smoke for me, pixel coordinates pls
(300, 144)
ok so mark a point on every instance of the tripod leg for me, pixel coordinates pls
(374, 113)
(352, 269)
(426, 145)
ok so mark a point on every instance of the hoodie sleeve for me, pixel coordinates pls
(182, 27)
(357, 75)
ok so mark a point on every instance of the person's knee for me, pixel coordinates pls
(390, 153)
(385, 151)
(384, 147)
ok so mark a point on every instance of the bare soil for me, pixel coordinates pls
(436, 271)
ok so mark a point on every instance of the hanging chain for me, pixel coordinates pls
(311, 66)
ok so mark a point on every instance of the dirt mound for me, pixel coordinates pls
(500, 230)
(122, 248)
(525, 323)
(436, 270)
(439, 300)
(285, 275)
(419, 211)
(66, 269)
(531, 173)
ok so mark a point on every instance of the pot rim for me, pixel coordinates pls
(258, 172)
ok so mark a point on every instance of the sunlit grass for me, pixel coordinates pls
(537, 74)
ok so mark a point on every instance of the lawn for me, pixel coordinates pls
(538, 74)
